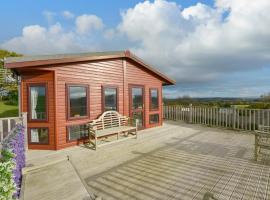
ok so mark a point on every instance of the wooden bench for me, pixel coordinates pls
(262, 140)
(111, 123)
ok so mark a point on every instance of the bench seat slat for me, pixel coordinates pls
(114, 130)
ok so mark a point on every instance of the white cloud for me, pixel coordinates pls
(197, 44)
(67, 14)
(87, 23)
(36, 39)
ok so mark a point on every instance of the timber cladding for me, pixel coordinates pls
(120, 73)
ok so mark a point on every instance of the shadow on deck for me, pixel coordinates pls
(175, 161)
(188, 168)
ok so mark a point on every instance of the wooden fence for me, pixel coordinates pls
(7, 125)
(234, 118)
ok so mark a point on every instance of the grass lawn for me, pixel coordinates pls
(8, 110)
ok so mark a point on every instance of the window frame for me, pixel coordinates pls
(45, 85)
(155, 122)
(38, 143)
(68, 85)
(150, 99)
(67, 133)
(103, 96)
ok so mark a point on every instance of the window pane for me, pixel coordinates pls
(137, 98)
(39, 135)
(110, 99)
(38, 102)
(154, 119)
(78, 101)
(139, 117)
(77, 132)
(154, 99)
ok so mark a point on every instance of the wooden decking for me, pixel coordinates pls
(176, 161)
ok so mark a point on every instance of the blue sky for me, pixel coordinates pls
(30, 11)
(210, 47)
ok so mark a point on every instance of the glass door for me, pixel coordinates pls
(136, 96)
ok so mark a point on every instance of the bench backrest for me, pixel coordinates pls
(109, 119)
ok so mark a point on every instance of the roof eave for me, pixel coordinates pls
(125, 54)
(58, 61)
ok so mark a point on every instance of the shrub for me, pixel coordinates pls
(7, 183)
(12, 97)
(14, 152)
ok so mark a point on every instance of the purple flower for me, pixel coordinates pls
(15, 143)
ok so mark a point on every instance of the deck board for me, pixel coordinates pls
(176, 161)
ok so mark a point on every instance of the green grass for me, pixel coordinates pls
(8, 110)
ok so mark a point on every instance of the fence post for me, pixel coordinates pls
(234, 118)
(24, 122)
(190, 114)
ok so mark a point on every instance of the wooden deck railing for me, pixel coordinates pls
(7, 125)
(234, 118)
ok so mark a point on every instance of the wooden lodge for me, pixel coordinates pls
(62, 93)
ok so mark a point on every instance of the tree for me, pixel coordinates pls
(7, 82)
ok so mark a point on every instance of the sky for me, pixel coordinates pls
(212, 48)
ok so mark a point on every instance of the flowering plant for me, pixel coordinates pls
(7, 183)
(12, 162)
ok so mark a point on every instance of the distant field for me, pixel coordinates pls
(8, 110)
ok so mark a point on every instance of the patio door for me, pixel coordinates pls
(136, 105)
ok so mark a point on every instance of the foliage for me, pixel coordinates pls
(8, 110)
(13, 157)
(10, 84)
(7, 183)
(12, 97)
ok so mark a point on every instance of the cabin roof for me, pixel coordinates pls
(40, 60)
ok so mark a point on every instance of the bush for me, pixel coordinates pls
(13, 156)
(7, 183)
(12, 97)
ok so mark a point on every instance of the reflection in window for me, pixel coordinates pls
(137, 116)
(78, 101)
(39, 135)
(38, 108)
(153, 99)
(110, 98)
(77, 132)
(154, 119)
(137, 98)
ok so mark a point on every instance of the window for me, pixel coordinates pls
(39, 136)
(38, 102)
(110, 95)
(137, 98)
(76, 132)
(154, 99)
(77, 101)
(154, 119)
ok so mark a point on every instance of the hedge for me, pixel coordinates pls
(12, 162)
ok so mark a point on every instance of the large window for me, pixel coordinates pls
(39, 136)
(154, 99)
(137, 97)
(77, 101)
(110, 98)
(38, 102)
(76, 132)
(154, 119)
